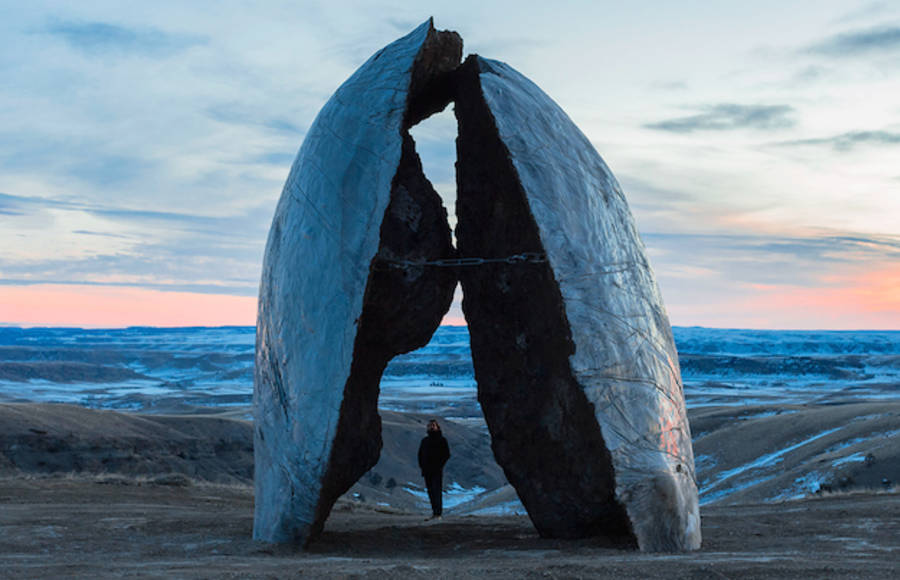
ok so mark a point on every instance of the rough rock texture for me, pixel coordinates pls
(575, 362)
(574, 357)
(401, 310)
(542, 426)
(328, 320)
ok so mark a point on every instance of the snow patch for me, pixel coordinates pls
(855, 458)
(706, 493)
(454, 494)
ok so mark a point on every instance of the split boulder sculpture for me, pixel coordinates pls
(574, 359)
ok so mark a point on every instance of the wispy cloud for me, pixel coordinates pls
(34, 203)
(880, 39)
(841, 246)
(21, 204)
(809, 74)
(404, 25)
(112, 305)
(89, 160)
(865, 12)
(164, 250)
(722, 280)
(846, 248)
(101, 234)
(208, 263)
(136, 281)
(847, 141)
(10, 204)
(751, 259)
(160, 138)
(105, 38)
(730, 116)
(276, 158)
(237, 115)
(107, 170)
(149, 216)
(669, 85)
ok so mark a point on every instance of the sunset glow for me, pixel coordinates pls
(868, 301)
(143, 150)
(113, 307)
(871, 301)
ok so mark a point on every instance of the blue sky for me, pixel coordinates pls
(143, 146)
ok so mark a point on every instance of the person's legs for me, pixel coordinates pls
(434, 483)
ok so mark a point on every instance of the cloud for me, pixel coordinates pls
(856, 300)
(236, 115)
(404, 25)
(865, 12)
(10, 204)
(729, 116)
(38, 203)
(204, 263)
(102, 234)
(669, 85)
(132, 247)
(136, 282)
(862, 42)
(26, 203)
(104, 38)
(754, 259)
(836, 248)
(109, 170)
(116, 306)
(810, 74)
(830, 280)
(847, 141)
(89, 160)
(281, 159)
(149, 216)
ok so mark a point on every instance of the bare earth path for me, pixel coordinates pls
(77, 527)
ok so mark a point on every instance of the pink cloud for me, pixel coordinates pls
(871, 300)
(114, 306)
(867, 300)
(847, 301)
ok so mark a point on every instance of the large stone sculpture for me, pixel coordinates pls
(574, 359)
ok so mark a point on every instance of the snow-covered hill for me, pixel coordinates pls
(186, 369)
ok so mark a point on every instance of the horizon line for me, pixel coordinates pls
(20, 326)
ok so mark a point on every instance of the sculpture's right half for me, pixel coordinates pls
(574, 358)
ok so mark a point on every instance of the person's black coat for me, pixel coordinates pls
(433, 453)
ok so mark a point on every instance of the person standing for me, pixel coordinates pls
(433, 454)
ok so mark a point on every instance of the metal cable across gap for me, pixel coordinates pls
(525, 257)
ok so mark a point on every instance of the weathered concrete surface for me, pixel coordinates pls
(574, 356)
(543, 431)
(575, 362)
(328, 321)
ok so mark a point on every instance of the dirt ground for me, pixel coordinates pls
(64, 527)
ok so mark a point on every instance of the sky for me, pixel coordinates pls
(143, 146)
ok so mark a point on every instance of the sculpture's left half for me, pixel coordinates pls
(332, 312)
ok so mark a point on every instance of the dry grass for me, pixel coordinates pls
(162, 479)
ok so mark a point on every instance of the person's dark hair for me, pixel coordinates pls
(433, 425)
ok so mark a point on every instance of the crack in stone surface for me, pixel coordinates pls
(550, 413)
